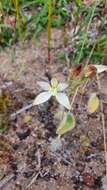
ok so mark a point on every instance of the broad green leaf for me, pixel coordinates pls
(41, 98)
(63, 100)
(93, 103)
(66, 124)
(101, 68)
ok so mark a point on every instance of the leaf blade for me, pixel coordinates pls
(66, 124)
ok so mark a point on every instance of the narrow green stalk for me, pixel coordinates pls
(49, 29)
(1, 9)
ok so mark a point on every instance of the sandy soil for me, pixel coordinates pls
(25, 145)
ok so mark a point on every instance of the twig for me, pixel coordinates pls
(74, 96)
(39, 166)
(103, 123)
(13, 115)
(83, 88)
(61, 157)
(32, 181)
(6, 180)
(39, 159)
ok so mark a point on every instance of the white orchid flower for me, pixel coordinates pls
(53, 89)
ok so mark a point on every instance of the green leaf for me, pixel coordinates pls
(93, 103)
(66, 124)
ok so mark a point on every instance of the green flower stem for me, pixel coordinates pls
(49, 28)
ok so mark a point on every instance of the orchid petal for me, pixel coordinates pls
(44, 85)
(100, 68)
(41, 98)
(62, 86)
(63, 100)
